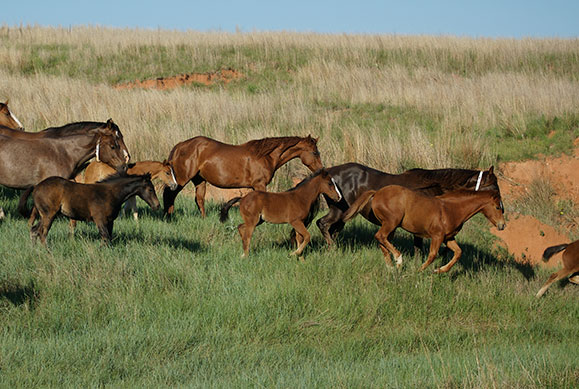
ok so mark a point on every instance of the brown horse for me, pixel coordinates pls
(26, 158)
(290, 207)
(99, 202)
(7, 118)
(163, 171)
(570, 260)
(439, 218)
(353, 179)
(249, 165)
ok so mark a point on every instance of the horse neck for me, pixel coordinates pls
(125, 190)
(282, 155)
(466, 206)
(309, 191)
(144, 167)
(79, 149)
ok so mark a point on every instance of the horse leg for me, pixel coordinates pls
(417, 245)
(382, 237)
(434, 246)
(327, 223)
(246, 231)
(302, 231)
(22, 202)
(44, 225)
(200, 189)
(554, 277)
(71, 227)
(169, 196)
(451, 244)
(131, 206)
(104, 231)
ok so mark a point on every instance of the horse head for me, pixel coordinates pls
(167, 175)
(114, 129)
(329, 187)
(108, 150)
(7, 118)
(146, 191)
(495, 211)
(309, 154)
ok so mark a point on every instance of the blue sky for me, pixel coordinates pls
(482, 18)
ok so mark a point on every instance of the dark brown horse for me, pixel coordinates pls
(100, 202)
(286, 207)
(353, 179)
(249, 165)
(7, 118)
(570, 261)
(163, 171)
(439, 218)
(28, 158)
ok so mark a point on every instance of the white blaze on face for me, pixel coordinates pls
(337, 190)
(173, 175)
(478, 181)
(16, 119)
(97, 151)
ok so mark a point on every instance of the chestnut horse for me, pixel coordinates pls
(99, 202)
(290, 207)
(28, 158)
(570, 261)
(439, 218)
(249, 165)
(353, 179)
(163, 171)
(7, 118)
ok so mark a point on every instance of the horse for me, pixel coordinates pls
(28, 158)
(290, 207)
(163, 171)
(7, 118)
(439, 218)
(100, 202)
(249, 165)
(570, 260)
(353, 179)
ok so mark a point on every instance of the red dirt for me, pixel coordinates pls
(224, 75)
(525, 237)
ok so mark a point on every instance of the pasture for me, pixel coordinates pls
(173, 304)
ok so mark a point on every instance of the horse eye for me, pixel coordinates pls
(316, 153)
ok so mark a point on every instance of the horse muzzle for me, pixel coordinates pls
(501, 226)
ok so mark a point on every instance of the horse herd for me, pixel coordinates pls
(427, 203)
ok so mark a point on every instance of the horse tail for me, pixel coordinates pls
(358, 205)
(550, 251)
(22, 207)
(225, 209)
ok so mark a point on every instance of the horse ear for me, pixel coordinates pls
(491, 169)
(110, 123)
(6, 102)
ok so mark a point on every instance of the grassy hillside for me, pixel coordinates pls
(172, 304)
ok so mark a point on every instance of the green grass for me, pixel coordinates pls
(173, 304)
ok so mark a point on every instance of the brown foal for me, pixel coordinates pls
(570, 261)
(290, 207)
(439, 218)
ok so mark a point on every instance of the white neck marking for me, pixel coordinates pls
(477, 187)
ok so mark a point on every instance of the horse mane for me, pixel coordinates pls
(73, 129)
(461, 193)
(263, 147)
(122, 176)
(454, 177)
(308, 179)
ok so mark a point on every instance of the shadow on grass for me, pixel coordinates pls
(473, 259)
(19, 294)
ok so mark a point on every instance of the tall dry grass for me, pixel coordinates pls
(464, 87)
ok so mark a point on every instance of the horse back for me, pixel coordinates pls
(96, 171)
(571, 256)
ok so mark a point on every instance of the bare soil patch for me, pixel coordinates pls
(526, 237)
(164, 83)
